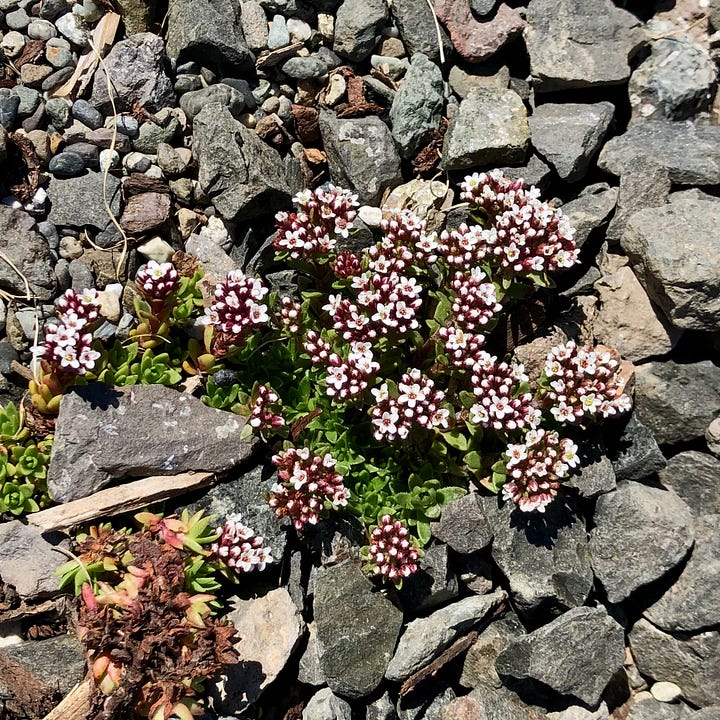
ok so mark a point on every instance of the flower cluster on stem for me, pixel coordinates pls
(322, 215)
(535, 467)
(475, 303)
(239, 547)
(307, 483)
(392, 552)
(582, 381)
(263, 409)
(157, 281)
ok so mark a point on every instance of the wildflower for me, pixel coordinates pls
(157, 281)
(76, 310)
(262, 409)
(475, 303)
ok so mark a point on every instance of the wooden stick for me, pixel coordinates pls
(120, 499)
(76, 704)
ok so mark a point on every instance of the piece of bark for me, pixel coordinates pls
(138, 183)
(269, 59)
(121, 499)
(76, 705)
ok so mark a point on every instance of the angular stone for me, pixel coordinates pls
(144, 212)
(28, 561)
(193, 102)
(324, 705)
(207, 31)
(463, 525)
(569, 135)
(596, 476)
(105, 433)
(637, 454)
(590, 209)
(534, 172)
(486, 703)
(30, 254)
(138, 76)
(691, 662)
(427, 703)
(675, 82)
(574, 44)
(435, 582)
(417, 106)
(576, 654)
(77, 202)
(243, 176)
(425, 638)
(357, 629)
(677, 402)
(474, 40)
(691, 153)
(676, 255)
(361, 155)
(627, 320)
(690, 604)
(479, 663)
(544, 557)
(309, 670)
(489, 128)
(270, 628)
(650, 529)
(577, 712)
(695, 477)
(357, 27)
(416, 22)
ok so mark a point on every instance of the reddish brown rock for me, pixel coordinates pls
(145, 212)
(474, 40)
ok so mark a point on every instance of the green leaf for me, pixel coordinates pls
(457, 439)
(473, 460)
(423, 532)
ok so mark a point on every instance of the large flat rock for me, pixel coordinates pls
(103, 434)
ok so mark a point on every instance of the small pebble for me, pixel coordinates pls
(299, 30)
(187, 83)
(88, 11)
(41, 30)
(83, 111)
(371, 216)
(58, 53)
(58, 110)
(88, 152)
(154, 172)
(57, 78)
(712, 436)
(336, 89)
(70, 248)
(41, 144)
(395, 68)
(271, 105)
(182, 188)
(392, 47)
(9, 105)
(326, 26)
(67, 164)
(69, 26)
(29, 100)
(278, 36)
(187, 222)
(31, 74)
(305, 68)
(12, 44)
(109, 159)
(128, 126)
(136, 162)
(17, 20)
(156, 249)
(666, 692)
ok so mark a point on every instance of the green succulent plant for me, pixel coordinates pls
(11, 425)
(16, 497)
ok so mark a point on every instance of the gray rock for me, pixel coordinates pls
(676, 255)
(690, 663)
(435, 582)
(361, 155)
(58, 662)
(83, 111)
(489, 128)
(309, 670)
(29, 100)
(487, 703)
(574, 45)
(690, 604)
(59, 53)
(193, 102)
(20, 542)
(417, 106)
(96, 426)
(208, 31)
(534, 172)
(590, 210)
(641, 533)
(254, 25)
(483, 7)
(357, 629)
(575, 654)
(76, 202)
(545, 557)
(242, 175)
(17, 19)
(569, 135)
(479, 663)
(152, 134)
(677, 402)
(646, 184)
(596, 476)
(694, 477)
(462, 82)
(675, 82)
(357, 25)
(463, 525)
(246, 494)
(707, 713)
(137, 69)
(637, 455)
(305, 68)
(71, 27)
(324, 705)
(651, 709)
(9, 105)
(691, 153)
(416, 23)
(66, 164)
(425, 638)
(269, 628)
(428, 704)
(58, 110)
(29, 252)
(381, 709)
